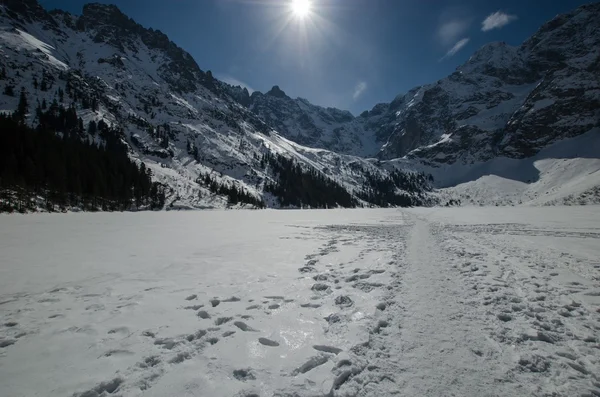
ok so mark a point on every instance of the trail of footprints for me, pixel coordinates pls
(527, 313)
(176, 350)
(215, 328)
(356, 368)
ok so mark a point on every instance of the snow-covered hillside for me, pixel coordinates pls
(566, 172)
(314, 126)
(507, 101)
(507, 112)
(177, 119)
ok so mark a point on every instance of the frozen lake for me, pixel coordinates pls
(499, 301)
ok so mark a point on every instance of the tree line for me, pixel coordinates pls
(56, 166)
(298, 187)
(235, 195)
(383, 191)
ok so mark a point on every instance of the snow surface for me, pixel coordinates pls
(559, 174)
(460, 301)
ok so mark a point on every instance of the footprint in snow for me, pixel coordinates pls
(103, 388)
(344, 301)
(243, 374)
(119, 330)
(197, 335)
(268, 342)
(312, 363)
(149, 362)
(166, 343)
(327, 349)
(7, 342)
(223, 320)
(180, 357)
(118, 352)
(244, 327)
(193, 307)
(311, 305)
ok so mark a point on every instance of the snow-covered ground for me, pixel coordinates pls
(564, 173)
(420, 302)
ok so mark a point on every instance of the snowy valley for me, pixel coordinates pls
(489, 285)
(369, 302)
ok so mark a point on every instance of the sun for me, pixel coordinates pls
(301, 8)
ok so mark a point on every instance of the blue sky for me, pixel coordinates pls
(350, 54)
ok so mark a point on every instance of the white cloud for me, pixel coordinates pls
(360, 88)
(234, 82)
(496, 20)
(450, 31)
(456, 47)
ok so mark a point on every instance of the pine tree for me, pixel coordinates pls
(92, 127)
(22, 107)
(9, 90)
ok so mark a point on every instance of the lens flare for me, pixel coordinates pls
(301, 8)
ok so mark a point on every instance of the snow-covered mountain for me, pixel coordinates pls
(512, 125)
(504, 101)
(186, 126)
(505, 105)
(509, 101)
(308, 124)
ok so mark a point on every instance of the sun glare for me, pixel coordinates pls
(301, 8)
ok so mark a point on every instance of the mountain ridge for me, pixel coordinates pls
(178, 120)
(184, 124)
(502, 78)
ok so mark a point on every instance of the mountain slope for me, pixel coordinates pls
(507, 101)
(504, 128)
(176, 118)
(504, 101)
(211, 143)
(308, 124)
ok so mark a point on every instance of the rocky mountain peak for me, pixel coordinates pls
(277, 92)
(106, 23)
(27, 11)
(570, 34)
(104, 13)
